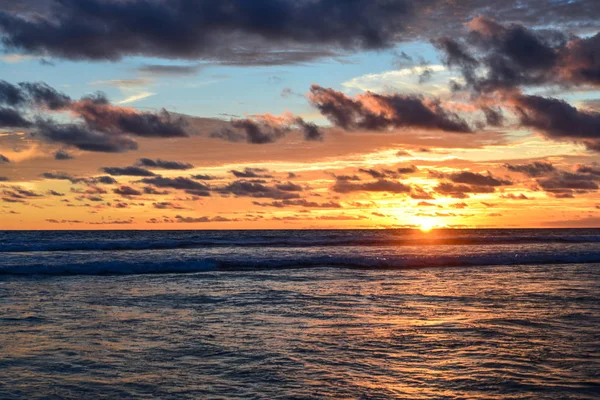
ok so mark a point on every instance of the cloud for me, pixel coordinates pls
(123, 83)
(461, 191)
(101, 126)
(10, 118)
(99, 114)
(504, 57)
(472, 178)
(169, 70)
(289, 187)
(42, 95)
(84, 138)
(18, 194)
(405, 80)
(251, 173)
(127, 191)
(557, 119)
(106, 180)
(151, 190)
(512, 196)
(62, 155)
(191, 29)
(568, 183)
(532, 170)
(386, 173)
(372, 111)
(128, 171)
(135, 97)
(267, 128)
(174, 165)
(255, 190)
(194, 220)
(168, 206)
(179, 183)
(381, 185)
(204, 177)
(298, 203)
(4, 159)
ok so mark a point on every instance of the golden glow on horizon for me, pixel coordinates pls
(426, 224)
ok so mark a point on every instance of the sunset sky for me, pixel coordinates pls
(252, 114)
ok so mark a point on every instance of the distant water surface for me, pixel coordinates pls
(314, 314)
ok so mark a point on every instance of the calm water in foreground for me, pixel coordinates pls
(307, 315)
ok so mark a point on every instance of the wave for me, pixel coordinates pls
(320, 261)
(299, 242)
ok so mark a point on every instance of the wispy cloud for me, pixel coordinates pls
(405, 80)
(123, 83)
(136, 97)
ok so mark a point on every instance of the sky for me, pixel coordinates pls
(304, 114)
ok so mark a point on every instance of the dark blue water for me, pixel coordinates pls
(478, 314)
(139, 252)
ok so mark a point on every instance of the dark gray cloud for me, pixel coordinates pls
(152, 190)
(127, 191)
(64, 176)
(407, 170)
(533, 170)
(193, 220)
(503, 57)
(175, 165)
(193, 29)
(20, 193)
(386, 173)
(102, 127)
(252, 173)
(179, 183)
(42, 95)
(167, 205)
(260, 32)
(106, 180)
(4, 159)
(32, 94)
(11, 94)
(84, 138)
(99, 114)
(263, 129)
(558, 119)
(461, 191)
(204, 177)
(299, 203)
(128, 171)
(472, 178)
(62, 155)
(255, 190)
(169, 70)
(567, 184)
(289, 187)
(11, 118)
(251, 131)
(381, 185)
(384, 112)
(310, 130)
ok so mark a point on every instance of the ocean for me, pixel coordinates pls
(370, 314)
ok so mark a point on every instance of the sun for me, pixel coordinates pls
(426, 224)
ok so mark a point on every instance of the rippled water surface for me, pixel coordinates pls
(308, 333)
